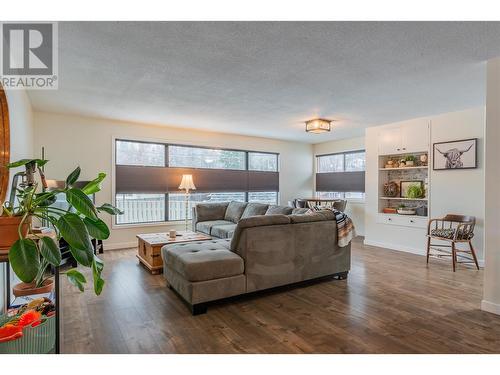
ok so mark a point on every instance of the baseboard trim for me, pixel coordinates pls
(120, 245)
(405, 249)
(490, 307)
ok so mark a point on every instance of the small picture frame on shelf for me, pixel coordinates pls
(461, 154)
(411, 189)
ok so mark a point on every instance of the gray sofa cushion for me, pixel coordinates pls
(203, 260)
(300, 211)
(211, 211)
(206, 226)
(223, 231)
(279, 210)
(256, 221)
(254, 209)
(234, 211)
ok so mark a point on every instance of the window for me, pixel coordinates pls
(177, 203)
(140, 208)
(270, 197)
(151, 195)
(140, 153)
(258, 161)
(340, 176)
(339, 195)
(355, 161)
(331, 163)
(195, 157)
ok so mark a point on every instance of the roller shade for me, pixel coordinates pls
(341, 181)
(160, 180)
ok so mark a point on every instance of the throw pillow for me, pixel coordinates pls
(234, 211)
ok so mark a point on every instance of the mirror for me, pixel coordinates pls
(4, 145)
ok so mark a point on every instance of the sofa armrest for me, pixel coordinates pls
(208, 212)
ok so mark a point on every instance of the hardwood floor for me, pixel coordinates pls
(390, 303)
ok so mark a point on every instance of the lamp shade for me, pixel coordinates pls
(187, 182)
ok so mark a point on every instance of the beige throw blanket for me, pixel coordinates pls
(345, 228)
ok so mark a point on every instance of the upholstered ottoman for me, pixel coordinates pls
(203, 271)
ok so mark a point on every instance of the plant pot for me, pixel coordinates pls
(24, 289)
(9, 232)
(410, 163)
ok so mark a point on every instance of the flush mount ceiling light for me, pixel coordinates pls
(318, 125)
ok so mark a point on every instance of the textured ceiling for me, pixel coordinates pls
(266, 78)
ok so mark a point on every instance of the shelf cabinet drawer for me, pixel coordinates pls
(407, 221)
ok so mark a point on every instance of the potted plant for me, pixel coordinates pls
(415, 191)
(31, 253)
(410, 160)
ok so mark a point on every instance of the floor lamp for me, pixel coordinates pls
(187, 184)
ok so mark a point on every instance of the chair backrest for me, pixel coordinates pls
(300, 203)
(460, 219)
(340, 205)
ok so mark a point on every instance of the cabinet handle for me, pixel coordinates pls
(411, 221)
(404, 148)
(398, 149)
(389, 219)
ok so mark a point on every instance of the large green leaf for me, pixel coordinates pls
(97, 267)
(45, 199)
(112, 210)
(74, 231)
(73, 177)
(24, 259)
(97, 228)
(76, 278)
(50, 251)
(20, 163)
(84, 257)
(94, 186)
(81, 202)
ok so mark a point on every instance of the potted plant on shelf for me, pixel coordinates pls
(415, 191)
(31, 253)
(410, 160)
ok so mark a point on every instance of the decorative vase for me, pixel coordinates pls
(9, 232)
(24, 289)
(391, 189)
(423, 159)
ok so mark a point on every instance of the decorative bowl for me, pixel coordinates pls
(407, 211)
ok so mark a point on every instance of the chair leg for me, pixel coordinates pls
(454, 256)
(428, 248)
(473, 252)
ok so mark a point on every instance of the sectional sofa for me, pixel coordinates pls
(265, 250)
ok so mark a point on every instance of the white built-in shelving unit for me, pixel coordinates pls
(395, 144)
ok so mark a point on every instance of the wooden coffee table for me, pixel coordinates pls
(149, 248)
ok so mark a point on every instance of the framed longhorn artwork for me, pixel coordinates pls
(461, 154)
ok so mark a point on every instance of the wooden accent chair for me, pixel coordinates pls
(452, 229)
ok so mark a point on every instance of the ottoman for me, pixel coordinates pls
(203, 271)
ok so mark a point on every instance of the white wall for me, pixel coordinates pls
(21, 144)
(73, 140)
(21, 125)
(491, 295)
(460, 192)
(355, 208)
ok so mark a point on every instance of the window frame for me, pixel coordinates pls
(115, 139)
(344, 153)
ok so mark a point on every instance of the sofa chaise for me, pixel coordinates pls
(264, 251)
